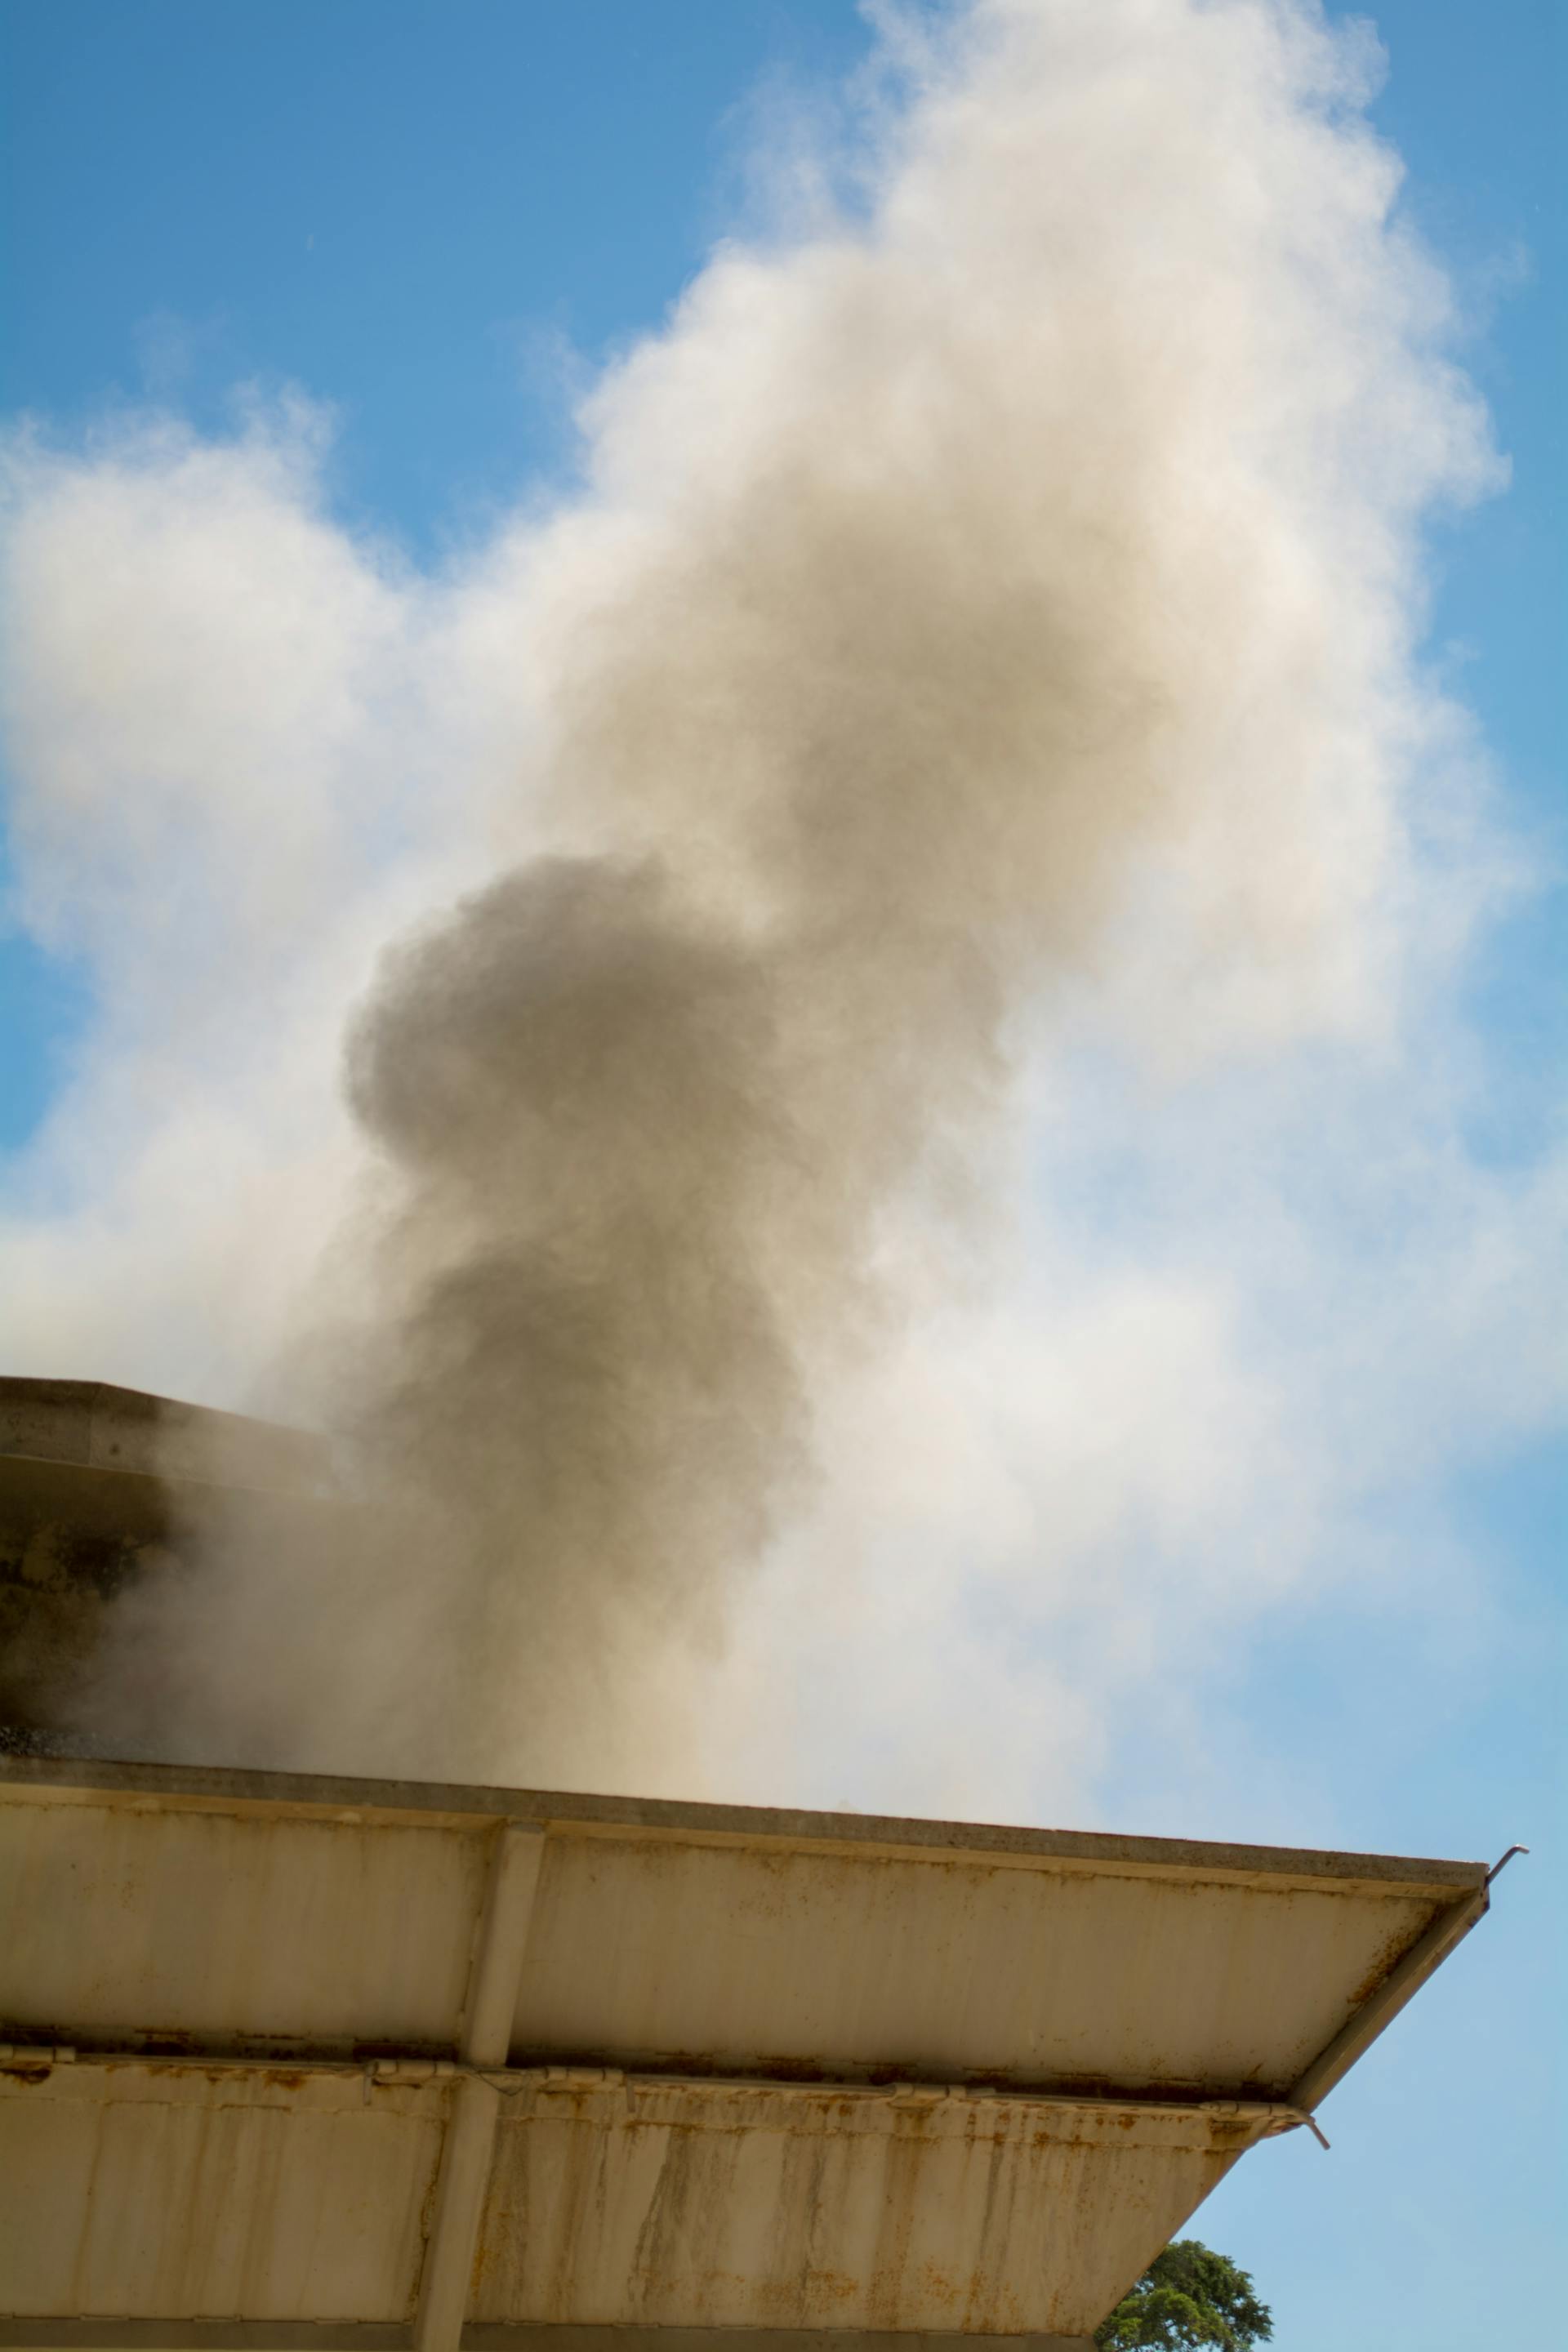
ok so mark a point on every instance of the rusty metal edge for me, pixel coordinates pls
(1402, 1983)
(1231, 2109)
(436, 1805)
(378, 2336)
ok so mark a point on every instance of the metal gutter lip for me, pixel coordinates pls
(437, 1803)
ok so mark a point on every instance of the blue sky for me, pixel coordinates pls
(428, 218)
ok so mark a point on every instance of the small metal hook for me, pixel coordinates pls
(1508, 1857)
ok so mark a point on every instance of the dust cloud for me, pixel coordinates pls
(1023, 531)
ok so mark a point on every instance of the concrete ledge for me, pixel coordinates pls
(434, 1803)
(94, 1425)
(296, 2335)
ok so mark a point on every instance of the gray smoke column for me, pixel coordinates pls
(645, 1104)
(1031, 530)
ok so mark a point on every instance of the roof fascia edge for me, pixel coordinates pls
(435, 1803)
(1404, 1980)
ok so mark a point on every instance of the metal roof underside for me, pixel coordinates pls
(293, 2061)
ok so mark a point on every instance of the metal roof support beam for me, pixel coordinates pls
(466, 2153)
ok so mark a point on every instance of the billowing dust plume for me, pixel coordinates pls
(1023, 532)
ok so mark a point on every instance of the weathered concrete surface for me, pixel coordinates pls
(101, 1487)
(93, 1424)
(756, 2206)
(147, 2190)
(764, 2072)
(143, 2188)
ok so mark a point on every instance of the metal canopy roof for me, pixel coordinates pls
(307, 2060)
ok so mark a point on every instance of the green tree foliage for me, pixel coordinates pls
(1188, 2297)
